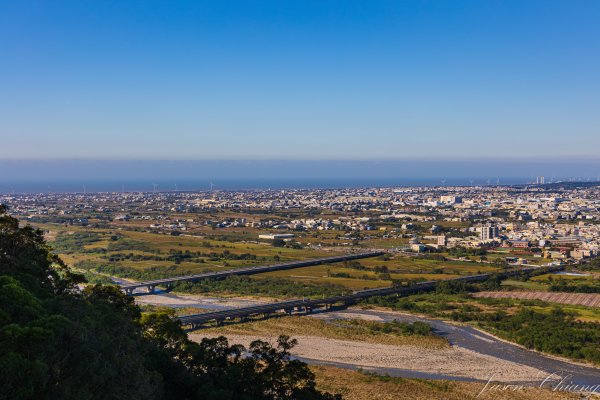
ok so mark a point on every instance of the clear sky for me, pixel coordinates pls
(290, 79)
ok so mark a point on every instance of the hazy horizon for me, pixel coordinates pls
(140, 175)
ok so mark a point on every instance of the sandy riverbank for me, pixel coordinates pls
(452, 361)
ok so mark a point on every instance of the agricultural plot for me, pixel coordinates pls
(141, 255)
(589, 300)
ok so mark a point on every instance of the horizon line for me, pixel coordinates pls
(308, 159)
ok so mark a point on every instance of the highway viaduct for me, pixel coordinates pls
(169, 282)
(308, 305)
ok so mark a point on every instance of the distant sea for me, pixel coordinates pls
(81, 186)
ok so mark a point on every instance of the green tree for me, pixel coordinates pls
(60, 342)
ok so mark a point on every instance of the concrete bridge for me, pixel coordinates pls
(169, 282)
(308, 305)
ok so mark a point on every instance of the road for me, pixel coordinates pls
(151, 285)
(458, 335)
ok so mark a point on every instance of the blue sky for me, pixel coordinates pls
(283, 80)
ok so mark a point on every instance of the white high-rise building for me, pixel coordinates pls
(488, 232)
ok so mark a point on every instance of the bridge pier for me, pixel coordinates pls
(150, 288)
(128, 292)
(169, 287)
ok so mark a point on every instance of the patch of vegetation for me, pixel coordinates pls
(268, 286)
(394, 327)
(459, 251)
(69, 243)
(531, 323)
(131, 273)
(562, 285)
(360, 385)
(125, 243)
(57, 342)
(431, 303)
(392, 333)
(590, 265)
(556, 332)
(93, 278)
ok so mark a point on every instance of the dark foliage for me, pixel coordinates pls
(465, 252)
(57, 342)
(271, 286)
(563, 286)
(556, 332)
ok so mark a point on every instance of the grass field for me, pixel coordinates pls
(355, 385)
(591, 300)
(307, 326)
(526, 285)
(154, 255)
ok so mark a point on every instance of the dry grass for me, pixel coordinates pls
(355, 385)
(584, 299)
(306, 326)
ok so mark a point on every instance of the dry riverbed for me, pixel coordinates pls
(326, 342)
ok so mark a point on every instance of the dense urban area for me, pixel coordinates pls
(411, 235)
(538, 224)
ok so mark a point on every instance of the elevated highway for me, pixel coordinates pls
(168, 283)
(308, 305)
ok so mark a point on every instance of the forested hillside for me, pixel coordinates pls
(58, 342)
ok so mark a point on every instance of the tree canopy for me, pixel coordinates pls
(59, 341)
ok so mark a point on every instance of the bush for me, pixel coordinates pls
(57, 342)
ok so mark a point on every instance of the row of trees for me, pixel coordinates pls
(270, 286)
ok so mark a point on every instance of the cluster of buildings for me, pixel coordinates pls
(561, 220)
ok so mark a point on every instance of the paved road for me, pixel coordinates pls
(169, 299)
(151, 285)
(461, 336)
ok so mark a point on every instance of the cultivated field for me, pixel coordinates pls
(584, 299)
